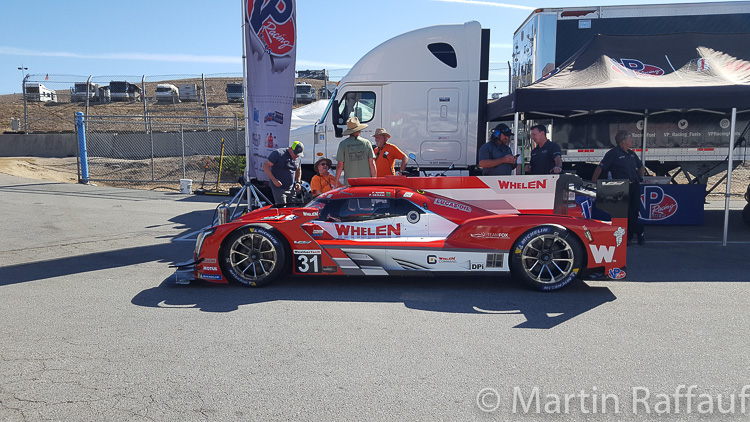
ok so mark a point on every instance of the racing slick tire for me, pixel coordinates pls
(253, 256)
(547, 257)
(746, 214)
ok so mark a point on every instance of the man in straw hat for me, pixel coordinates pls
(283, 170)
(386, 154)
(323, 181)
(355, 156)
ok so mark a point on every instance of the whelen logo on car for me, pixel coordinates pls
(453, 205)
(602, 253)
(536, 184)
(386, 230)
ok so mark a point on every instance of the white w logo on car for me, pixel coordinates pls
(602, 253)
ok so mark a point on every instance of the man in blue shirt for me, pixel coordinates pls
(496, 157)
(546, 157)
(621, 162)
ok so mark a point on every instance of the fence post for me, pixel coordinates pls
(182, 142)
(151, 138)
(82, 151)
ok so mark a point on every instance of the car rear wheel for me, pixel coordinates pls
(253, 256)
(547, 257)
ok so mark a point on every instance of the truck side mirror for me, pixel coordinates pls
(338, 131)
(336, 116)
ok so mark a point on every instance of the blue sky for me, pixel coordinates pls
(190, 37)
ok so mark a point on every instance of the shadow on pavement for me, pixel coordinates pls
(497, 296)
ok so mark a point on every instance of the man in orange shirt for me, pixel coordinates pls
(386, 155)
(323, 181)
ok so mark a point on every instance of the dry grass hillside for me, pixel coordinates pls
(59, 116)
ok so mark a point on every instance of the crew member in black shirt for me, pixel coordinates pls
(546, 157)
(621, 162)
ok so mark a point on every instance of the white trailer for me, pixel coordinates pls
(38, 92)
(167, 93)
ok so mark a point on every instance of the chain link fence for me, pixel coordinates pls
(156, 152)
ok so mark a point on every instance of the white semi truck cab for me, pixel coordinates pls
(427, 88)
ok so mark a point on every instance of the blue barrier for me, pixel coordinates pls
(83, 153)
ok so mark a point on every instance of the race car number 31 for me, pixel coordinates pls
(307, 261)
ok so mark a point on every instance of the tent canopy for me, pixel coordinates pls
(615, 72)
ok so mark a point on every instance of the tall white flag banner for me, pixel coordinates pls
(270, 50)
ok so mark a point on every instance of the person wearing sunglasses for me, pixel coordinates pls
(323, 181)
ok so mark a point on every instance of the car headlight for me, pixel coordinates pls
(199, 242)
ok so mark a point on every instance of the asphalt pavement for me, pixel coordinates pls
(92, 329)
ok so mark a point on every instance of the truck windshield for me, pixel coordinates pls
(236, 89)
(118, 86)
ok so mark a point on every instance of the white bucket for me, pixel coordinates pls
(186, 186)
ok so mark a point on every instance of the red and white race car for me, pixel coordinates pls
(409, 226)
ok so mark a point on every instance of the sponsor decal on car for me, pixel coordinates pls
(209, 276)
(535, 184)
(619, 233)
(330, 269)
(453, 205)
(408, 194)
(317, 232)
(206, 268)
(587, 233)
(379, 194)
(412, 217)
(486, 235)
(602, 253)
(616, 274)
(434, 259)
(388, 230)
(209, 261)
(477, 266)
(307, 252)
(309, 214)
(302, 242)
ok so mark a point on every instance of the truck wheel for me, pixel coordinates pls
(253, 256)
(746, 214)
(547, 257)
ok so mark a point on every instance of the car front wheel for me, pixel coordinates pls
(547, 257)
(252, 256)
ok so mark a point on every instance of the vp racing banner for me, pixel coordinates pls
(270, 39)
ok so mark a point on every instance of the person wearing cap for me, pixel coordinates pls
(495, 156)
(284, 171)
(621, 162)
(546, 157)
(323, 181)
(386, 155)
(355, 157)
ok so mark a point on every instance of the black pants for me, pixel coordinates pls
(634, 205)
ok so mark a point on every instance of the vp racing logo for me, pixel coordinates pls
(272, 31)
(633, 67)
